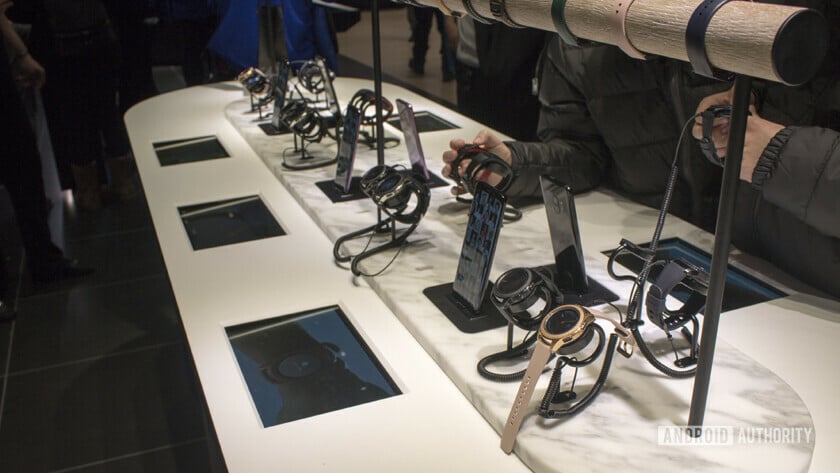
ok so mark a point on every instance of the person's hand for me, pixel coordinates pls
(486, 140)
(758, 135)
(29, 72)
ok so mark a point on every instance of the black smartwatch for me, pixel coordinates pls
(519, 289)
(677, 272)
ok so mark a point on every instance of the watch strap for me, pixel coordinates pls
(695, 39)
(468, 6)
(542, 353)
(619, 20)
(558, 16)
(672, 274)
(499, 10)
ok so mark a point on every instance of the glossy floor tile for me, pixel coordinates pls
(83, 412)
(90, 321)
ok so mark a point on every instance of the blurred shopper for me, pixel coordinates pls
(495, 71)
(20, 164)
(420, 20)
(76, 42)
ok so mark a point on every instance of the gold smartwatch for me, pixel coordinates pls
(561, 326)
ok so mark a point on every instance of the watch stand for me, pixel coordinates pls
(271, 130)
(258, 104)
(304, 160)
(337, 194)
(435, 181)
(467, 320)
(386, 225)
(597, 293)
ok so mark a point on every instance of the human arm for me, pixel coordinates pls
(571, 148)
(796, 168)
(27, 70)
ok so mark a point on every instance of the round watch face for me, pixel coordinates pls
(389, 183)
(512, 282)
(561, 321)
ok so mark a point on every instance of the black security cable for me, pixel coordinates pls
(515, 352)
(634, 306)
(555, 381)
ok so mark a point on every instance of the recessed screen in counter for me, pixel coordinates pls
(306, 364)
(225, 222)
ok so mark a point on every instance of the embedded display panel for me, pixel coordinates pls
(306, 364)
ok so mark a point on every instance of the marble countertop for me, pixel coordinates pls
(619, 430)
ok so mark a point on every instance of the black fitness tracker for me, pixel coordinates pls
(676, 272)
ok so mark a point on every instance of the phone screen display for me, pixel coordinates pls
(480, 239)
(347, 149)
(332, 102)
(565, 237)
(412, 139)
(280, 91)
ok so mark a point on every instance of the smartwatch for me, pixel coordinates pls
(519, 289)
(562, 326)
(676, 272)
(481, 163)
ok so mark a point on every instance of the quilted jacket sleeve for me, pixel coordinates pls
(571, 148)
(799, 171)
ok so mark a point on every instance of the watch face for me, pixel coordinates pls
(389, 183)
(561, 322)
(512, 282)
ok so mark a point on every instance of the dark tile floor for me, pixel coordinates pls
(96, 373)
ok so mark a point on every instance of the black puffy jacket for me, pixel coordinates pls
(610, 120)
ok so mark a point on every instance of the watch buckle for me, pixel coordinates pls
(625, 348)
(626, 344)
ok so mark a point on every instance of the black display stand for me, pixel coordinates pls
(596, 295)
(720, 253)
(435, 181)
(272, 130)
(463, 316)
(337, 194)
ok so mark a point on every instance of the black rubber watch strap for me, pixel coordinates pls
(695, 39)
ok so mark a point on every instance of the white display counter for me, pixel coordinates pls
(447, 416)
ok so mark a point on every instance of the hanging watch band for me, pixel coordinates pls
(468, 6)
(499, 11)
(619, 20)
(695, 39)
(541, 355)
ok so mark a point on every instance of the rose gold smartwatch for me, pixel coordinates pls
(561, 326)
